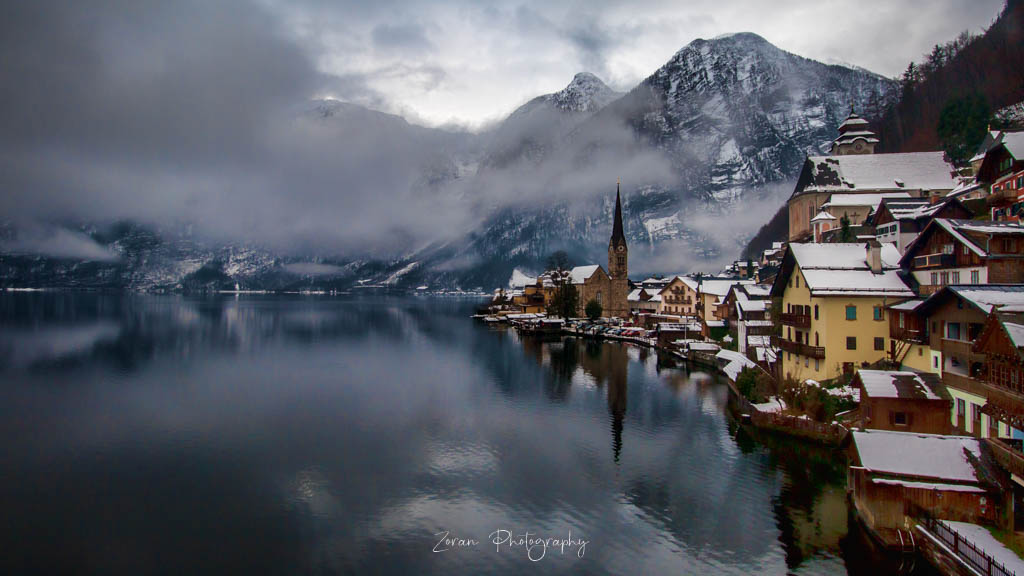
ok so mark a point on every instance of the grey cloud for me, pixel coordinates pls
(409, 38)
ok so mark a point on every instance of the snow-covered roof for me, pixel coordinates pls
(854, 200)
(918, 455)
(911, 208)
(823, 217)
(720, 287)
(1014, 144)
(846, 256)
(903, 385)
(1016, 333)
(653, 295)
(580, 274)
(875, 172)
(853, 282)
(984, 296)
(753, 305)
(758, 290)
(909, 305)
(837, 269)
(698, 346)
(960, 229)
(762, 341)
(735, 363)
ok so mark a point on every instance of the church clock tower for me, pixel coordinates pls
(618, 253)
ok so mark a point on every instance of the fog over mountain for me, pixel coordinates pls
(184, 145)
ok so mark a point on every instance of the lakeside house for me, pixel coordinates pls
(680, 297)
(833, 306)
(894, 477)
(902, 401)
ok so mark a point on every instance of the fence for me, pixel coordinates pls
(965, 550)
(831, 433)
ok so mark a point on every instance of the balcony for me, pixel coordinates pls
(799, 348)
(1008, 454)
(908, 335)
(938, 260)
(796, 320)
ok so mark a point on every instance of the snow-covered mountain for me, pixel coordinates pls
(699, 144)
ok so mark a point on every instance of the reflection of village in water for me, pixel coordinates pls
(811, 509)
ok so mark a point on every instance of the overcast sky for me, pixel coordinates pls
(185, 111)
(470, 62)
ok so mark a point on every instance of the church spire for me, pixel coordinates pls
(618, 237)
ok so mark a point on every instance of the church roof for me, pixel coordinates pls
(618, 236)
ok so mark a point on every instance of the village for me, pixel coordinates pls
(889, 325)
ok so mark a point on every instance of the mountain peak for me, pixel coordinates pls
(586, 93)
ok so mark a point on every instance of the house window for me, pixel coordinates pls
(956, 277)
(944, 278)
(851, 312)
(934, 326)
(965, 250)
(975, 277)
(598, 297)
(879, 343)
(807, 362)
(815, 311)
(817, 364)
(901, 316)
(975, 412)
(953, 330)
(947, 248)
(878, 314)
(935, 278)
(899, 418)
(797, 281)
(960, 408)
(816, 342)
(851, 342)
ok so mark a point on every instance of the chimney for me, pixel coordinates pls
(874, 256)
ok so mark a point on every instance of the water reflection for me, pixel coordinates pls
(325, 435)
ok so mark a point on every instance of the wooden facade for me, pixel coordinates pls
(1003, 369)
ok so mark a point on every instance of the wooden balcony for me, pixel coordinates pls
(935, 261)
(796, 320)
(908, 335)
(799, 348)
(1008, 454)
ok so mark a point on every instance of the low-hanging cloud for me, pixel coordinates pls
(204, 115)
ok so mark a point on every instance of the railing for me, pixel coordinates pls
(973, 556)
(794, 319)
(799, 348)
(907, 334)
(939, 260)
(1008, 457)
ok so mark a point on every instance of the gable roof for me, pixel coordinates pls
(863, 199)
(875, 173)
(918, 455)
(580, 274)
(842, 269)
(903, 385)
(960, 230)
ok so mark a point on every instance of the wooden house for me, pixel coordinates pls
(899, 221)
(903, 401)
(955, 317)
(895, 476)
(1002, 169)
(966, 252)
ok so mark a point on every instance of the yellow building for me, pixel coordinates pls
(679, 297)
(833, 306)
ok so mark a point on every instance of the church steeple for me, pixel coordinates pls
(617, 251)
(618, 237)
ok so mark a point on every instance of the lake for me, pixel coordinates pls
(306, 434)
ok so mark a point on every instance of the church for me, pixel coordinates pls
(610, 289)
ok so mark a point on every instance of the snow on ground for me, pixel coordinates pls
(774, 404)
(982, 538)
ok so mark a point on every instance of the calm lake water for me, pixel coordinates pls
(322, 435)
